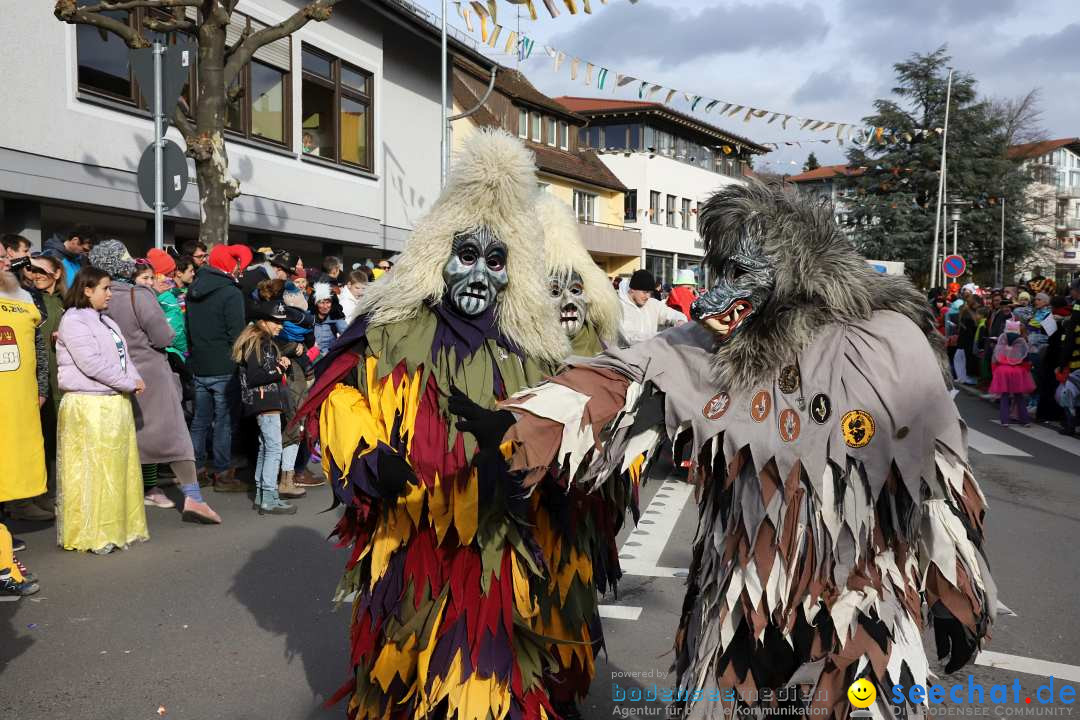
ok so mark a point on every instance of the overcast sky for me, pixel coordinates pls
(827, 59)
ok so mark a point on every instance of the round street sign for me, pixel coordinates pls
(954, 266)
(174, 175)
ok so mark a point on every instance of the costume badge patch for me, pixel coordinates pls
(821, 408)
(10, 358)
(858, 428)
(760, 406)
(789, 379)
(789, 425)
(717, 406)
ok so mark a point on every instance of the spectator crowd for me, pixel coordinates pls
(1019, 345)
(103, 356)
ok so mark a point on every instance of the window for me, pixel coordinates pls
(523, 123)
(337, 112)
(585, 206)
(103, 64)
(549, 129)
(670, 211)
(535, 121)
(564, 135)
(543, 186)
(261, 113)
(654, 207)
(685, 214)
(630, 206)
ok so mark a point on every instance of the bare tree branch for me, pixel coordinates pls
(67, 11)
(319, 11)
(106, 5)
(165, 26)
(181, 122)
(1021, 117)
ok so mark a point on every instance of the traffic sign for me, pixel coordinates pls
(954, 266)
(177, 61)
(174, 175)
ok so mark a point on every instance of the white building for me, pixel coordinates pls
(360, 91)
(671, 162)
(1052, 214)
(825, 182)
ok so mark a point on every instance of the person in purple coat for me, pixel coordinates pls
(99, 496)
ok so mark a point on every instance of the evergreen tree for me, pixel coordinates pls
(894, 198)
(811, 163)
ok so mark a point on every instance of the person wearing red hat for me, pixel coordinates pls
(161, 261)
(215, 310)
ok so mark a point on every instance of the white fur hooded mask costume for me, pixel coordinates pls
(565, 254)
(492, 183)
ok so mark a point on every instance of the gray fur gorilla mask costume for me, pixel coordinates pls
(836, 500)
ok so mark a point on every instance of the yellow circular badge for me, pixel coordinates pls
(862, 693)
(858, 428)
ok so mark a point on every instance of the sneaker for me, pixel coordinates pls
(156, 498)
(11, 590)
(199, 512)
(27, 575)
(17, 544)
(26, 510)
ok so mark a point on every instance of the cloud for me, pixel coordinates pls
(929, 12)
(1057, 52)
(672, 36)
(824, 86)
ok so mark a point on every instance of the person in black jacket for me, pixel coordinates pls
(215, 318)
(263, 394)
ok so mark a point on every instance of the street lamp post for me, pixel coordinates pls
(1001, 249)
(941, 183)
(443, 124)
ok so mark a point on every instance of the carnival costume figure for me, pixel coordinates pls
(836, 500)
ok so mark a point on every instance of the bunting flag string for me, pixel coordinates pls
(648, 91)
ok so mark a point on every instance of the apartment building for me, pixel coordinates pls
(566, 168)
(670, 162)
(1052, 214)
(826, 182)
(335, 141)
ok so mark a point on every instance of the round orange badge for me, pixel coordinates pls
(760, 406)
(716, 407)
(789, 425)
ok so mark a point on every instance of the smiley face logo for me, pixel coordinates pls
(862, 693)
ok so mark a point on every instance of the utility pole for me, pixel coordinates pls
(941, 182)
(159, 147)
(1001, 250)
(444, 125)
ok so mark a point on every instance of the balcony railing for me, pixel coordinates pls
(605, 239)
(1068, 191)
(1068, 223)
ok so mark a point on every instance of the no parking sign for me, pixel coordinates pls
(954, 266)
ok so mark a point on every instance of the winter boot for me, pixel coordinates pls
(226, 482)
(287, 488)
(268, 502)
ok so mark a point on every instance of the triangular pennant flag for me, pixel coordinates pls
(711, 105)
(749, 112)
(840, 131)
(571, 5)
(735, 110)
(671, 94)
(466, 14)
(588, 73)
(585, 7)
(829, 126)
(786, 119)
(573, 68)
(511, 43)
(774, 116)
(805, 123)
(817, 125)
(493, 10)
(641, 89)
(551, 8)
(495, 31)
(559, 57)
(694, 103)
(601, 78)
(652, 91)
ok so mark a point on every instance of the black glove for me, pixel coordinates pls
(394, 475)
(487, 426)
(954, 640)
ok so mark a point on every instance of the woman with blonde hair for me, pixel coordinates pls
(263, 394)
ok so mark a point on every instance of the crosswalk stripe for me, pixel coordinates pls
(1050, 437)
(619, 612)
(1030, 666)
(992, 446)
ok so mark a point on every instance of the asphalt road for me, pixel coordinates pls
(235, 622)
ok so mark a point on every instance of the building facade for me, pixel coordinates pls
(826, 182)
(1052, 212)
(670, 163)
(565, 168)
(335, 140)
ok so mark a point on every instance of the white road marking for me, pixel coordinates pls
(619, 612)
(1050, 437)
(650, 537)
(1030, 666)
(991, 446)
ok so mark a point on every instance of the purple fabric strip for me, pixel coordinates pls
(466, 335)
